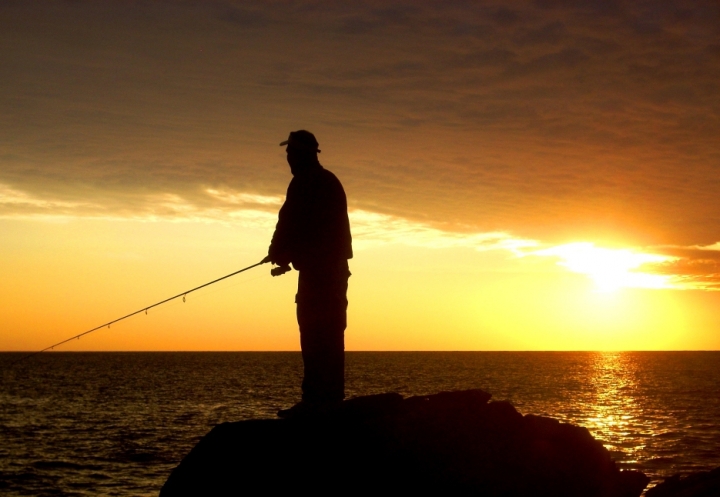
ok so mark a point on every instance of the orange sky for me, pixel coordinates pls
(529, 178)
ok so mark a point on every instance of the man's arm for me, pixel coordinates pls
(281, 249)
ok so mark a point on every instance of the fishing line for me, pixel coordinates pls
(144, 309)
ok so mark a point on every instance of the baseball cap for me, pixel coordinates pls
(303, 140)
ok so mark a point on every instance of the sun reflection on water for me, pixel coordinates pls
(615, 414)
(623, 408)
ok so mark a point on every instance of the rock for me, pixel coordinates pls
(701, 484)
(454, 443)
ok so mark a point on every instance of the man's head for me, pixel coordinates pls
(302, 149)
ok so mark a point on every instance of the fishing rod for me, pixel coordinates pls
(274, 272)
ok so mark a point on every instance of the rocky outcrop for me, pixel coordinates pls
(451, 443)
(701, 484)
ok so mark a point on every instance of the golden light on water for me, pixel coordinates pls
(624, 413)
(616, 413)
(622, 399)
(610, 269)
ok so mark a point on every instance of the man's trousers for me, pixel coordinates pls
(322, 317)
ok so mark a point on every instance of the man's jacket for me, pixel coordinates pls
(313, 230)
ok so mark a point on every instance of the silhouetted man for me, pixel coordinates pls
(313, 234)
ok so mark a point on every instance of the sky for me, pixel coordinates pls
(538, 175)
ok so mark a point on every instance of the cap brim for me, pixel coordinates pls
(287, 142)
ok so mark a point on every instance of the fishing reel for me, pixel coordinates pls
(280, 270)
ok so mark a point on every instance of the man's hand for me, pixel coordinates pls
(283, 266)
(280, 270)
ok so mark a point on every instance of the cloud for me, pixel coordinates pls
(696, 267)
(18, 201)
(679, 268)
(609, 268)
(259, 212)
(241, 15)
(243, 209)
(556, 120)
(371, 228)
(244, 198)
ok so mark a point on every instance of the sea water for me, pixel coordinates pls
(117, 423)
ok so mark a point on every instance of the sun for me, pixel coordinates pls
(610, 269)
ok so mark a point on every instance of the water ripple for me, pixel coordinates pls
(117, 423)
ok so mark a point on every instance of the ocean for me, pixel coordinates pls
(117, 423)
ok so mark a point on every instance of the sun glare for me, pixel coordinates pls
(610, 269)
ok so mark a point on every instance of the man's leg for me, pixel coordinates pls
(322, 317)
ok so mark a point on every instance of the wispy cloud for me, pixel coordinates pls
(669, 267)
(679, 268)
(695, 267)
(371, 228)
(19, 203)
(260, 212)
(610, 269)
(244, 198)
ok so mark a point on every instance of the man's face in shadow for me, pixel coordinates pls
(299, 159)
